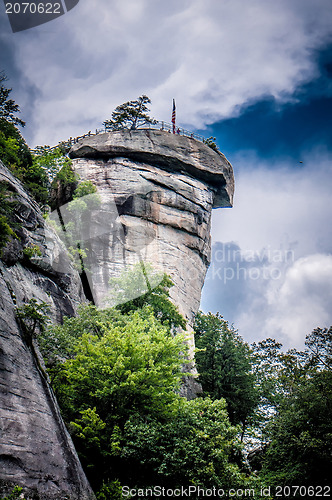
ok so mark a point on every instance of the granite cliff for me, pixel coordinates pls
(36, 450)
(156, 192)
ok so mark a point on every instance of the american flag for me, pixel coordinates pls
(173, 116)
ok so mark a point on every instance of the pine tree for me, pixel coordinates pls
(131, 114)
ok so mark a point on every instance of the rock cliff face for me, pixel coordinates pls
(35, 448)
(157, 191)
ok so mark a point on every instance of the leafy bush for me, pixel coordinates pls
(33, 317)
(16, 494)
(7, 206)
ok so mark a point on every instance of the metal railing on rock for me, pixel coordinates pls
(158, 125)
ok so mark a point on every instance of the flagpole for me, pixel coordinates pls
(174, 116)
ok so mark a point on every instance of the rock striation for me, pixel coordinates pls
(157, 192)
(36, 450)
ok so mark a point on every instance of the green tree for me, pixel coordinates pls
(142, 285)
(14, 152)
(297, 387)
(117, 385)
(131, 114)
(8, 108)
(119, 365)
(194, 447)
(16, 155)
(35, 180)
(299, 451)
(319, 344)
(57, 343)
(85, 188)
(267, 366)
(211, 142)
(224, 366)
(52, 160)
(7, 206)
(129, 367)
(33, 317)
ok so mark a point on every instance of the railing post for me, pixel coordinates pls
(167, 127)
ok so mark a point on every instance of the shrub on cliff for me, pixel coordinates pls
(7, 206)
(14, 152)
(117, 376)
(8, 107)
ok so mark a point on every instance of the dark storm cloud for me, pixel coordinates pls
(215, 58)
(24, 92)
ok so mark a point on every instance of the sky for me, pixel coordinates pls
(257, 75)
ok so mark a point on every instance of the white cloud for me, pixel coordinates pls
(275, 210)
(214, 57)
(304, 300)
(279, 204)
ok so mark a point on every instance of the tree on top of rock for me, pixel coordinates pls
(130, 114)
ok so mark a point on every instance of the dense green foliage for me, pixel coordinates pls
(131, 114)
(39, 171)
(195, 446)
(287, 397)
(7, 206)
(300, 449)
(13, 150)
(300, 434)
(116, 374)
(8, 107)
(133, 364)
(224, 364)
(15, 154)
(142, 285)
(55, 165)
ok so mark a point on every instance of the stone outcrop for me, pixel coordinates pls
(157, 191)
(36, 450)
(155, 195)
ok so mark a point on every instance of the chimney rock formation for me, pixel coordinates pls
(157, 192)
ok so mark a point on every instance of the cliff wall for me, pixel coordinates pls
(36, 450)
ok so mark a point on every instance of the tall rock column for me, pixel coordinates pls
(157, 192)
